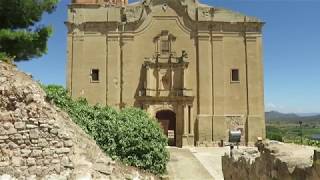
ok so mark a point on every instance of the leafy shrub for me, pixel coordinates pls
(129, 135)
(274, 133)
(275, 136)
(141, 140)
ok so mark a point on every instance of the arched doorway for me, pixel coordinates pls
(167, 119)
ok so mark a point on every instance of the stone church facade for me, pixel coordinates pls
(197, 69)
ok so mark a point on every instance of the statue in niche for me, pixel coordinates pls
(165, 79)
(184, 55)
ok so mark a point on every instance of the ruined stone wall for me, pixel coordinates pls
(38, 141)
(275, 162)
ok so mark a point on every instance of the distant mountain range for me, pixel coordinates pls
(278, 116)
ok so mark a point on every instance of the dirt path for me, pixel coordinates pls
(210, 158)
(183, 165)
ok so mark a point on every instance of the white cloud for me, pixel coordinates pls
(270, 106)
(274, 107)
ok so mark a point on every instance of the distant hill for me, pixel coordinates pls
(308, 114)
(291, 117)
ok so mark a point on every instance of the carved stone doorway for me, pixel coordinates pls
(167, 120)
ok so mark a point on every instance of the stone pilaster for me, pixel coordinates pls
(205, 88)
(113, 60)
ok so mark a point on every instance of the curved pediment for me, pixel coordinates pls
(187, 8)
(140, 15)
(187, 12)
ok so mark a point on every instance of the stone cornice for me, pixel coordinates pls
(189, 14)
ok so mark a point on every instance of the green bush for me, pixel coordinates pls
(141, 141)
(129, 135)
(274, 133)
(275, 136)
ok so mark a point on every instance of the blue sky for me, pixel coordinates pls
(291, 50)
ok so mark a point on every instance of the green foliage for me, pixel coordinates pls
(20, 38)
(291, 132)
(274, 133)
(141, 141)
(5, 58)
(305, 141)
(129, 135)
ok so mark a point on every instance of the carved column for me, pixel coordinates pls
(185, 125)
(185, 119)
(191, 121)
(148, 80)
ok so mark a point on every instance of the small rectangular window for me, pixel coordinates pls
(165, 47)
(95, 74)
(235, 75)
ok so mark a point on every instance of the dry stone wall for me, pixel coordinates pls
(38, 141)
(277, 161)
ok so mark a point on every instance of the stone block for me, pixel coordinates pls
(40, 162)
(46, 162)
(31, 126)
(12, 145)
(6, 116)
(63, 135)
(16, 161)
(65, 160)
(57, 168)
(51, 122)
(68, 143)
(58, 144)
(7, 125)
(34, 134)
(25, 152)
(54, 131)
(19, 125)
(55, 161)
(4, 164)
(2, 131)
(4, 137)
(16, 152)
(17, 137)
(36, 153)
(62, 150)
(44, 126)
(47, 152)
(31, 161)
(43, 143)
(32, 170)
(34, 141)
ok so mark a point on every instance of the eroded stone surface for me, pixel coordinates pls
(275, 161)
(38, 141)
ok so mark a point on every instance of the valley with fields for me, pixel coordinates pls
(292, 128)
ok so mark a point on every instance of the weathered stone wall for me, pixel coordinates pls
(38, 141)
(277, 161)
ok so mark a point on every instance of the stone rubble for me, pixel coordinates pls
(39, 141)
(276, 161)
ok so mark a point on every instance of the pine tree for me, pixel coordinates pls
(21, 37)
